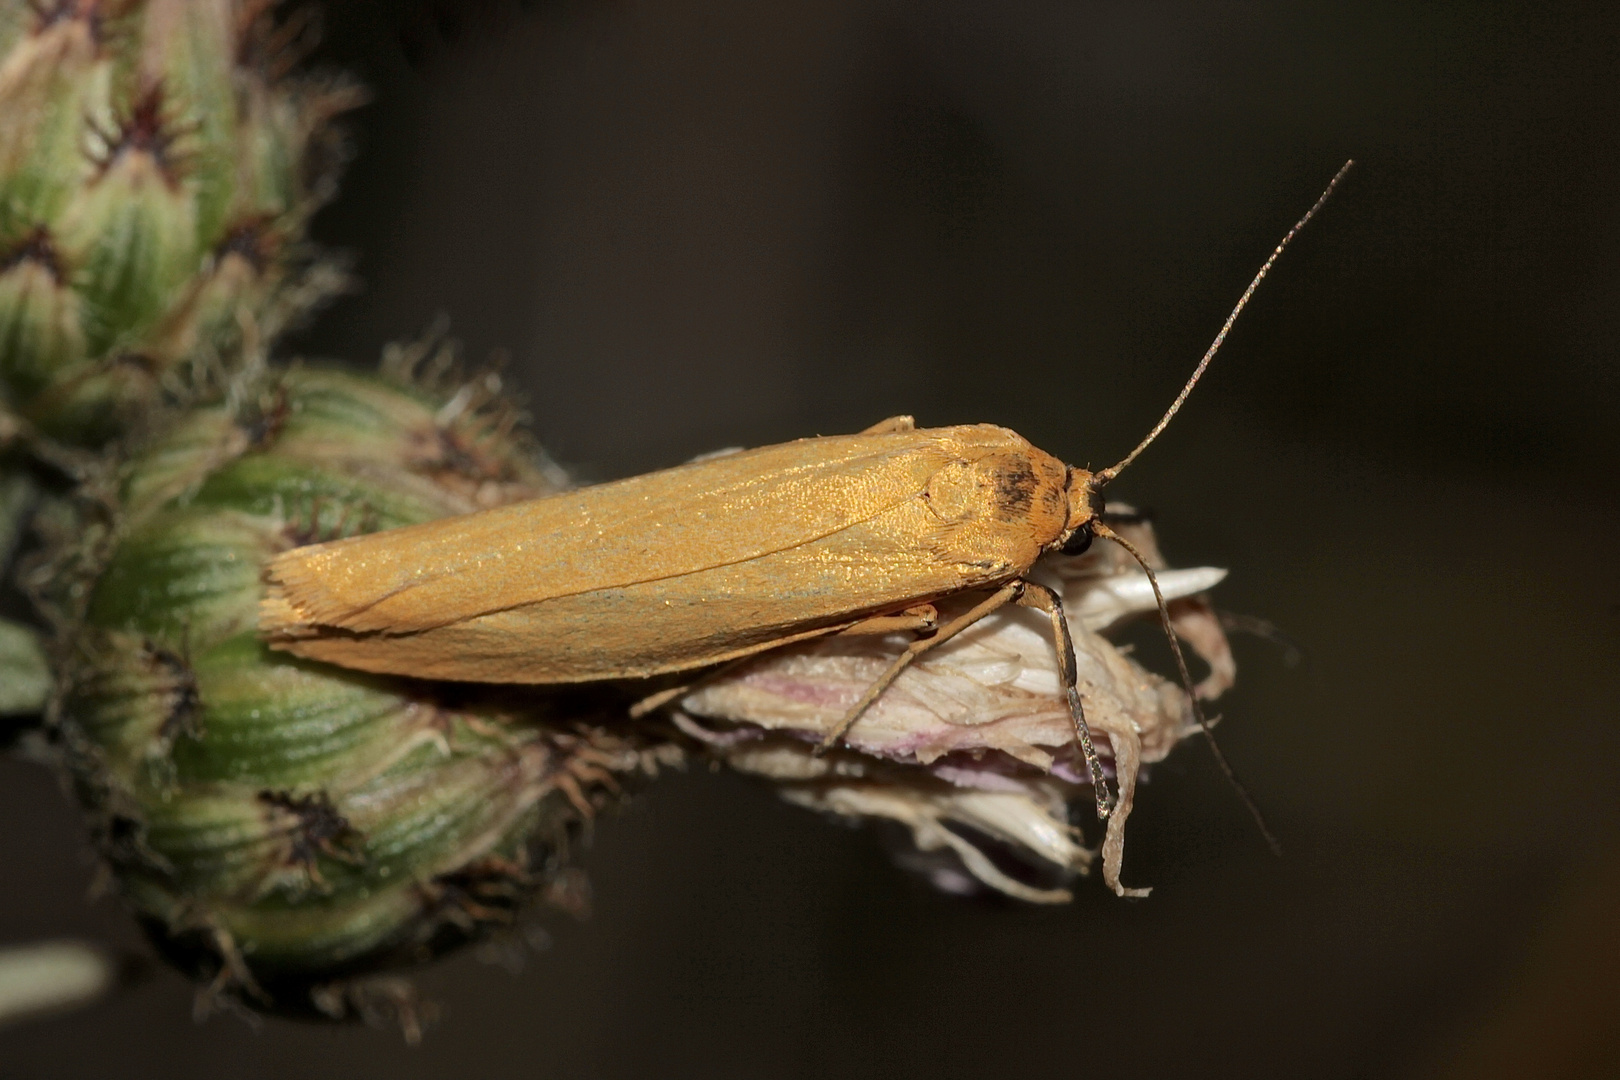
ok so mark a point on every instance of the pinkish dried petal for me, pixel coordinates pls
(1027, 814)
(994, 688)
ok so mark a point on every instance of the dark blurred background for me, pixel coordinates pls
(695, 225)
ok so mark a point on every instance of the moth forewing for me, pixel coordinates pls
(679, 569)
(659, 525)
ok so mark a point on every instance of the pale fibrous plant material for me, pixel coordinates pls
(50, 977)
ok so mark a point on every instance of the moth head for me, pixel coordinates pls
(1086, 507)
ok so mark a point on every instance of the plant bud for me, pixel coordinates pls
(278, 825)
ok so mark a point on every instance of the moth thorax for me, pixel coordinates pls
(1086, 499)
(1014, 486)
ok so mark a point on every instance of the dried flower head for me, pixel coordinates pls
(976, 739)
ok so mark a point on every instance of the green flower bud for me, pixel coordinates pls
(279, 824)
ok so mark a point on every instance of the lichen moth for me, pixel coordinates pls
(717, 560)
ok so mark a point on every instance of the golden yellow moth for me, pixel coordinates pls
(692, 566)
(714, 560)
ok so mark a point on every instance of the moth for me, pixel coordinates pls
(718, 560)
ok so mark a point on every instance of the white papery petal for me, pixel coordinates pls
(1109, 600)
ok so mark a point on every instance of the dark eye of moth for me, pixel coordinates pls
(1078, 541)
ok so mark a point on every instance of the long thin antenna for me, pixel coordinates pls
(1112, 471)
(1187, 684)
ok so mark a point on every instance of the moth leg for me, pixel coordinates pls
(1044, 599)
(891, 425)
(920, 618)
(654, 702)
(997, 599)
(923, 618)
